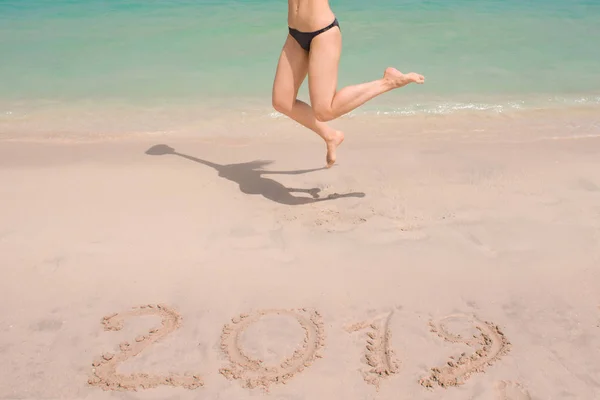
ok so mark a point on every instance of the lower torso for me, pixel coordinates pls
(309, 15)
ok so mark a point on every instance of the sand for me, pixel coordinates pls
(448, 258)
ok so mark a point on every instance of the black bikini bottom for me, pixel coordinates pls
(304, 38)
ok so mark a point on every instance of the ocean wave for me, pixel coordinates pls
(447, 108)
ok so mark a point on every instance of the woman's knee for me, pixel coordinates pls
(282, 104)
(323, 113)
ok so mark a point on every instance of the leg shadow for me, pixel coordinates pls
(250, 179)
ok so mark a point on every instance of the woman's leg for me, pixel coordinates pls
(291, 71)
(327, 102)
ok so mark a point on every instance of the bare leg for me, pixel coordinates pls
(291, 71)
(323, 65)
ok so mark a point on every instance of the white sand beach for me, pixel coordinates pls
(432, 262)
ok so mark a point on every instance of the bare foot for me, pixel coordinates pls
(397, 79)
(332, 144)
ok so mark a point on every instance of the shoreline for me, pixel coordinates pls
(532, 124)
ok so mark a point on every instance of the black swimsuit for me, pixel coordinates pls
(304, 38)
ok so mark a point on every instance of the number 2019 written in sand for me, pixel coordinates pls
(488, 344)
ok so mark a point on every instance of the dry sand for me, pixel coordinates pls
(456, 259)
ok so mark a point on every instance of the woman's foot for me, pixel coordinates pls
(397, 79)
(332, 144)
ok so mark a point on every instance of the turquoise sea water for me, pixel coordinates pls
(489, 55)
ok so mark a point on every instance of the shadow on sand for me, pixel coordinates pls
(249, 177)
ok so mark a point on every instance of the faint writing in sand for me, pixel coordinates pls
(512, 391)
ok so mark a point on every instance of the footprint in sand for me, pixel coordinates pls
(333, 221)
(512, 391)
(252, 372)
(104, 372)
(379, 355)
(490, 345)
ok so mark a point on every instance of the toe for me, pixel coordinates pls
(330, 161)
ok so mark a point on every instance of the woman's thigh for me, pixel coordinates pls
(291, 72)
(324, 59)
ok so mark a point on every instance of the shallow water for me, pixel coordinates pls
(67, 57)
